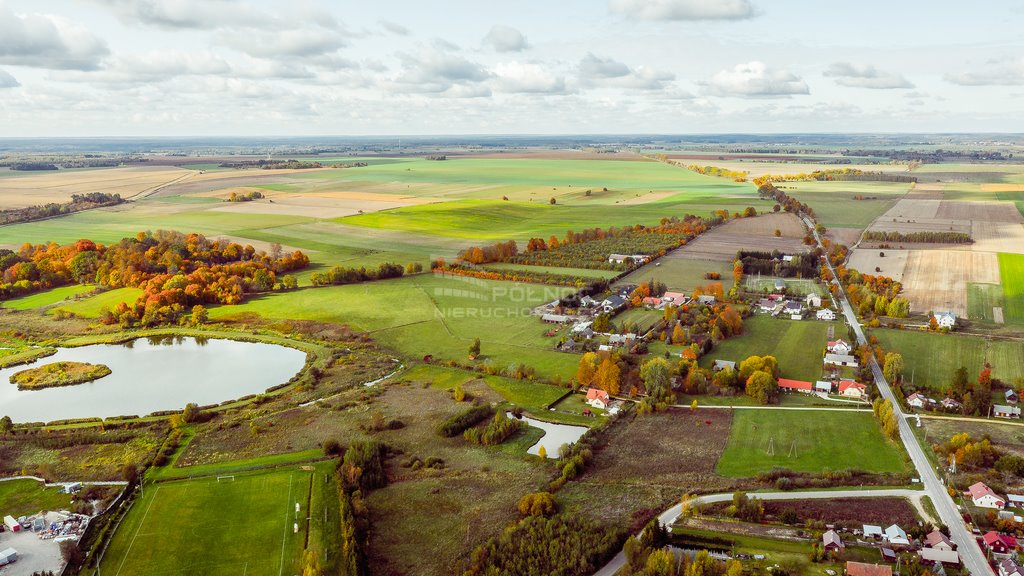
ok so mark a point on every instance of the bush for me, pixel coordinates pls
(537, 504)
(460, 422)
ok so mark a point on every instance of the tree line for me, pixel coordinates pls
(77, 203)
(922, 237)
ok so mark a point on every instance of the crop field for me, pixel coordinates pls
(35, 188)
(797, 344)
(47, 298)
(581, 272)
(245, 525)
(985, 303)
(930, 359)
(1011, 272)
(938, 279)
(680, 274)
(722, 243)
(762, 440)
(834, 204)
(24, 497)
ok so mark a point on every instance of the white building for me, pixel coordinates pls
(984, 497)
(895, 535)
(945, 319)
(813, 300)
(826, 314)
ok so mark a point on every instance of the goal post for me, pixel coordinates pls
(226, 478)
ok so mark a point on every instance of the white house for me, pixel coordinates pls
(872, 531)
(620, 258)
(984, 497)
(598, 398)
(852, 389)
(839, 346)
(918, 400)
(936, 539)
(813, 300)
(945, 319)
(826, 314)
(583, 330)
(939, 556)
(613, 303)
(895, 535)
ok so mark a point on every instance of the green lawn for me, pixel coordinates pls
(206, 526)
(582, 272)
(761, 440)
(642, 318)
(94, 306)
(24, 497)
(794, 286)
(930, 359)
(797, 344)
(41, 299)
(981, 298)
(680, 274)
(1011, 273)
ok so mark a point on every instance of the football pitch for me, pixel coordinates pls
(246, 524)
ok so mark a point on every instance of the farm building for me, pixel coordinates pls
(621, 339)
(852, 389)
(841, 360)
(826, 314)
(1010, 568)
(839, 347)
(635, 258)
(1011, 396)
(945, 319)
(936, 539)
(598, 398)
(813, 300)
(823, 386)
(720, 365)
(920, 401)
(795, 386)
(8, 556)
(896, 536)
(583, 330)
(556, 318)
(951, 404)
(830, 541)
(12, 524)
(1000, 411)
(864, 569)
(1015, 500)
(931, 556)
(984, 497)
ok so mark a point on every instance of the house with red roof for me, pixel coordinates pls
(598, 398)
(1000, 544)
(795, 386)
(852, 389)
(984, 497)
(864, 569)
(839, 347)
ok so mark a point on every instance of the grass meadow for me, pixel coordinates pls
(762, 440)
(931, 359)
(797, 344)
(23, 497)
(680, 274)
(210, 526)
(47, 298)
(94, 306)
(1011, 273)
(833, 202)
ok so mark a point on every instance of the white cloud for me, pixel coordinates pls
(46, 41)
(1003, 72)
(150, 67)
(394, 28)
(8, 81)
(594, 67)
(505, 39)
(755, 80)
(284, 43)
(684, 9)
(595, 71)
(196, 14)
(866, 76)
(527, 77)
(435, 71)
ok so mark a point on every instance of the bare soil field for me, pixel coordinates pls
(937, 279)
(916, 209)
(57, 186)
(845, 236)
(892, 265)
(987, 211)
(722, 243)
(854, 511)
(997, 237)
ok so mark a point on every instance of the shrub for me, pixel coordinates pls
(458, 423)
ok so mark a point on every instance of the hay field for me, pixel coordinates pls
(938, 279)
(57, 186)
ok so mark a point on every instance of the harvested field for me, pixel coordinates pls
(925, 192)
(846, 236)
(937, 279)
(878, 511)
(987, 211)
(997, 237)
(1002, 188)
(722, 243)
(648, 462)
(649, 197)
(57, 186)
(892, 265)
(912, 209)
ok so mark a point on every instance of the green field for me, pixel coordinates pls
(981, 298)
(834, 205)
(931, 359)
(211, 526)
(1011, 274)
(797, 344)
(679, 274)
(794, 286)
(639, 317)
(47, 298)
(581, 272)
(94, 306)
(24, 497)
(762, 440)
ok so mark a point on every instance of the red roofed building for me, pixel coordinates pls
(984, 497)
(1000, 544)
(795, 386)
(651, 301)
(598, 398)
(852, 389)
(862, 569)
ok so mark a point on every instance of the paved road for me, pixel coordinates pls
(970, 554)
(669, 517)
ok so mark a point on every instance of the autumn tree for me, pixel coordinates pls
(474, 349)
(537, 504)
(200, 315)
(607, 376)
(587, 369)
(761, 386)
(657, 376)
(678, 335)
(893, 367)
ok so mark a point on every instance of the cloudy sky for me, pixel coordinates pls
(308, 67)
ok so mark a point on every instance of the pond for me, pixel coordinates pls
(153, 374)
(554, 436)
